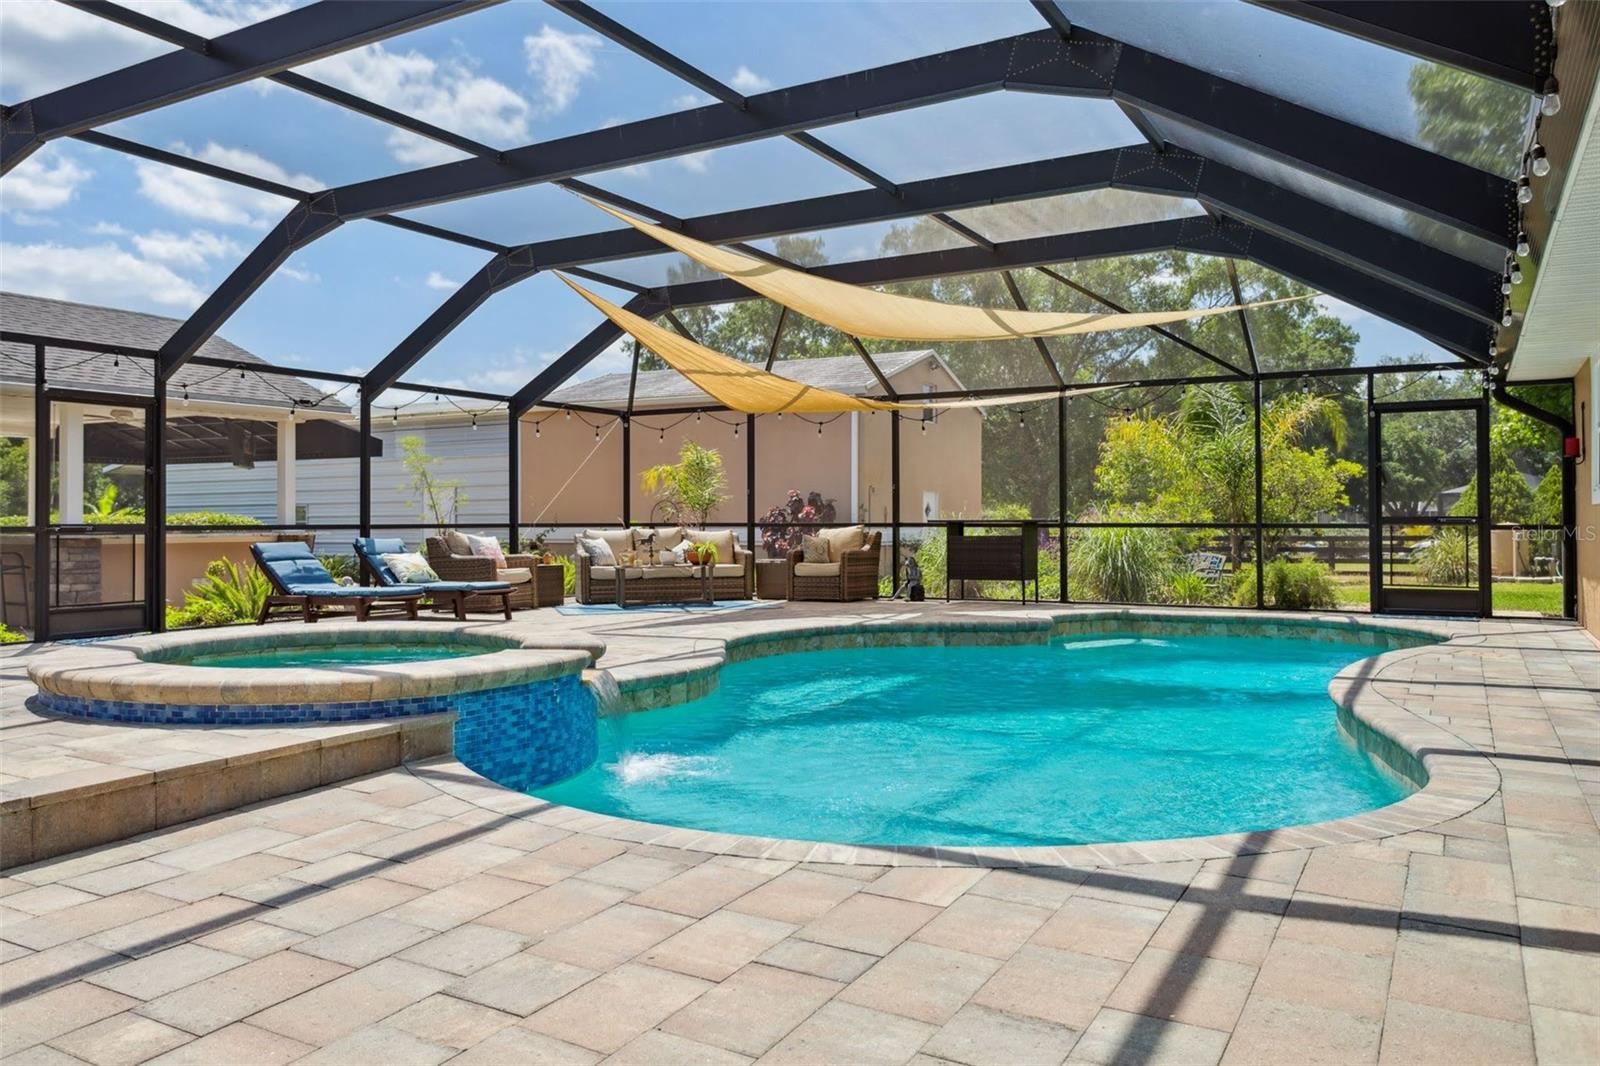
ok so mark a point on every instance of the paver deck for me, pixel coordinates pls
(395, 918)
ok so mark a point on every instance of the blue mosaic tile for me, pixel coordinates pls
(523, 736)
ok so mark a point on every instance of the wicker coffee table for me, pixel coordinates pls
(642, 591)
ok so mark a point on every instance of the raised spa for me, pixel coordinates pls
(1108, 737)
(334, 655)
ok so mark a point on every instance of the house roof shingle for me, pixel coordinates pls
(842, 373)
(66, 320)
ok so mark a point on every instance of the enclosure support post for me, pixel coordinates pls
(1374, 502)
(365, 491)
(750, 481)
(514, 477)
(155, 511)
(1261, 570)
(894, 499)
(627, 464)
(1061, 486)
(1485, 545)
(41, 499)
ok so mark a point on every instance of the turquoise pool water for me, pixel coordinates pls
(336, 655)
(1114, 737)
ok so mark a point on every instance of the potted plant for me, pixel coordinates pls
(702, 554)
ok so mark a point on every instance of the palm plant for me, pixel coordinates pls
(691, 488)
(227, 593)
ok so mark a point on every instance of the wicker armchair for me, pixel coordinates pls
(598, 584)
(481, 568)
(854, 577)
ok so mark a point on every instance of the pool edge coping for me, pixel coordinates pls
(1460, 777)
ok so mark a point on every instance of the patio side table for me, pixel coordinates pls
(549, 585)
(772, 579)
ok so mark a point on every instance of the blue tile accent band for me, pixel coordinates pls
(523, 736)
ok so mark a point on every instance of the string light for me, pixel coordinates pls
(662, 436)
(1505, 285)
(185, 400)
(1550, 105)
(536, 431)
(1523, 248)
(597, 434)
(569, 414)
(1540, 165)
(736, 429)
(1516, 275)
(1505, 319)
(819, 429)
(1524, 191)
(474, 420)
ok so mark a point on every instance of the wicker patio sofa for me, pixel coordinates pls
(851, 572)
(452, 563)
(732, 578)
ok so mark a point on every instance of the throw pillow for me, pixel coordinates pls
(487, 548)
(457, 543)
(680, 552)
(815, 549)
(844, 539)
(598, 551)
(410, 568)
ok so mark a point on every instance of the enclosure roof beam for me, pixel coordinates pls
(1041, 61)
(302, 35)
(1460, 334)
(1510, 42)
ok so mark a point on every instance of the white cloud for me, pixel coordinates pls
(438, 281)
(684, 103)
(301, 274)
(102, 274)
(210, 200)
(108, 229)
(748, 81)
(44, 181)
(448, 94)
(193, 250)
(561, 61)
(47, 46)
(694, 162)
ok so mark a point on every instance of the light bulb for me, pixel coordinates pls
(1541, 165)
(1523, 248)
(819, 429)
(569, 416)
(924, 425)
(474, 421)
(536, 431)
(697, 416)
(117, 361)
(1505, 286)
(1550, 106)
(736, 428)
(1505, 319)
(1516, 275)
(291, 412)
(662, 437)
(597, 434)
(1524, 192)
(186, 396)
(396, 417)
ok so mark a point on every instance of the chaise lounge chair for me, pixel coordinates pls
(299, 580)
(452, 594)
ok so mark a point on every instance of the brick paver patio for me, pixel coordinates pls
(387, 920)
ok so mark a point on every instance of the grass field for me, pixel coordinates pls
(1522, 597)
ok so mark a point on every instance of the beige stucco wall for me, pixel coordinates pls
(1588, 510)
(790, 454)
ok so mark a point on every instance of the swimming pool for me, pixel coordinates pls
(1110, 737)
(335, 655)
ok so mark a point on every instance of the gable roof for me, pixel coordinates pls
(659, 388)
(71, 368)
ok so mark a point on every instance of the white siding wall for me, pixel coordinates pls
(329, 489)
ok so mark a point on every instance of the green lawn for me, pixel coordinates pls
(1542, 597)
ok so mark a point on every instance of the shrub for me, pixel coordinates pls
(1291, 586)
(211, 518)
(341, 566)
(1188, 587)
(10, 636)
(228, 593)
(1446, 559)
(1123, 564)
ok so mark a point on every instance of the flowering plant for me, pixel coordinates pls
(783, 527)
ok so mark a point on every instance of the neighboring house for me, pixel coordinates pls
(1448, 498)
(568, 479)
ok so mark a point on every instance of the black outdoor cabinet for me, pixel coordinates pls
(993, 556)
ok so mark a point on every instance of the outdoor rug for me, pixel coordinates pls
(666, 608)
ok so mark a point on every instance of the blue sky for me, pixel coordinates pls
(81, 223)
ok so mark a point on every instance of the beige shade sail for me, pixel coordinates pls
(750, 390)
(885, 316)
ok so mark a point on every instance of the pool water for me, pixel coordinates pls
(337, 655)
(1094, 739)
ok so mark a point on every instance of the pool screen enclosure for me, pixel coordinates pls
(1284, 162)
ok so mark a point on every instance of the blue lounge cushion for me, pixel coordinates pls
(293, 567)
(373, 549)
(467, 586)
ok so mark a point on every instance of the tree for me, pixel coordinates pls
(1198, 463)
(1510, 499)
(438, 499)
(692, 487)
